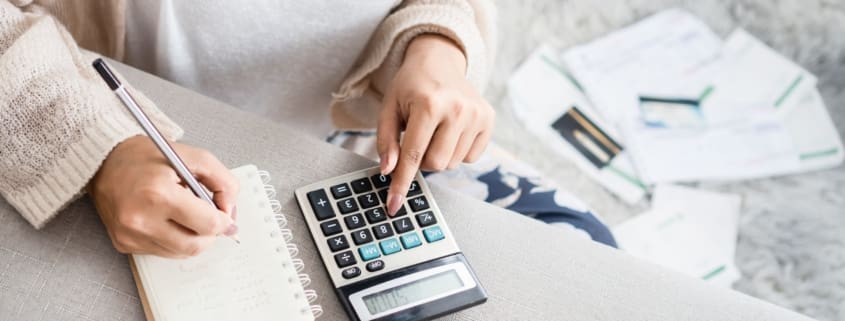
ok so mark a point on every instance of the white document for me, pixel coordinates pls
(812, 130)
(541, 93)
(750, 149)
(741, 85)
(660, 55)
(687, 230)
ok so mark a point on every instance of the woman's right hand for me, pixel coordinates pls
(146, 207)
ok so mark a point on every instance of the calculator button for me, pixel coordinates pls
(320, 204)
(362, 236)
(416, 204)
(344, 259)
(382, 194)
(433, 234)
(331, 227)
(361, 185)
(410, 240)
(341, 190)
(375, 215)
(368, 252)
(354, 221)
(347, 206)
(380, 180)
(351, 272)
(403, 225)
(426, 219)
(401, 211)
(414, 189)
(375, 265)
(382, 231)
(368, 200)
(338, 243)
(390, 246)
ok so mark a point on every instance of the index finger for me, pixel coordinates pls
(197, 215)
(216, 177)
(418, 134)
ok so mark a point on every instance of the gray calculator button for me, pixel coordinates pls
(418, 204)
(380, 180)
(414, 189)
(368, 200)
(403, 225)
(354, 221)
(320, 204)
(347, 206)
(344, 259)
(362, 236)
(351, 272)
(341, 190)
(330, 227)
(382, 231)
(426, 219)
(338, 243)
(375, 215)
(375, 265)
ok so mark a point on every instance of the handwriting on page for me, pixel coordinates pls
(227, 279)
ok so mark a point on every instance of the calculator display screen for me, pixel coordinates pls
(413, 292)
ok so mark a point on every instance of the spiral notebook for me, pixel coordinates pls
(258, 279)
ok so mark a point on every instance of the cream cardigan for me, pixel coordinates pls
(58, 120)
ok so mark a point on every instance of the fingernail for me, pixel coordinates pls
(232, 230)
(394, 202)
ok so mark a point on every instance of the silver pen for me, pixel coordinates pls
(151, 130)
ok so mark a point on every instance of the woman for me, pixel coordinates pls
(411, 66)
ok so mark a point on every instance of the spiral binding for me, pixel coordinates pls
(285, 233)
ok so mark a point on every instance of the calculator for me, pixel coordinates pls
(406, 267)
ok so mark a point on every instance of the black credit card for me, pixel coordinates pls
(586, 137)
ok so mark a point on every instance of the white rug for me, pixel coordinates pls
(792, 233)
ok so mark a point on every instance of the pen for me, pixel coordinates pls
(151, 130)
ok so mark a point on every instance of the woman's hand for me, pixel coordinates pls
(147, 209)
(445, 119)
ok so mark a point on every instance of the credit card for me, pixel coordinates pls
(590, 140)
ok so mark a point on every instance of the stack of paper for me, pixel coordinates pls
(693, 108)
(680, 104)
(687, 230)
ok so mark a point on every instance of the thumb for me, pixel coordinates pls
(389, 126)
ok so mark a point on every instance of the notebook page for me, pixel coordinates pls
(253, 280)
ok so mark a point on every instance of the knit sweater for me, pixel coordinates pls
(59, 121)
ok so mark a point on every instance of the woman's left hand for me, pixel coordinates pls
(446, 121)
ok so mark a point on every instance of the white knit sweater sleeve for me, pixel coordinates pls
(58, 120)
(469, 23)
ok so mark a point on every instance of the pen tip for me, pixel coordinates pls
(235, 238)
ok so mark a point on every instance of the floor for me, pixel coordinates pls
(792, 231)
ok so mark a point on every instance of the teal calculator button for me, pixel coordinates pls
(411, 240)
(433, 234)
(368, 252)
(390, 246)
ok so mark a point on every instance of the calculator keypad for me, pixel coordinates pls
(364, 220)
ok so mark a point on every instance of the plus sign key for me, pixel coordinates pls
(320, 204)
